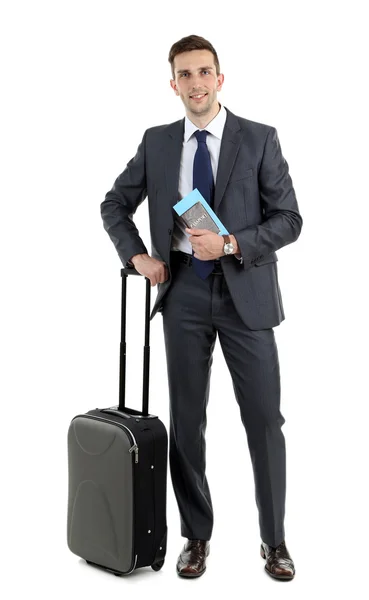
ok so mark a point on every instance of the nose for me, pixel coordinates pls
(196, 83)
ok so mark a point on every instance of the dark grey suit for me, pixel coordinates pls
(255, 199)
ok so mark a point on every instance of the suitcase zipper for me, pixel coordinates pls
(133, 448)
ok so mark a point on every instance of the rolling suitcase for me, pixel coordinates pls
(117, 476)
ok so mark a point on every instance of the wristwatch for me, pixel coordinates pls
(228, 247)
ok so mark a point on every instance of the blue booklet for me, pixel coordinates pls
(196, 213)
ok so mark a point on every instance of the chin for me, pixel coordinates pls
(202, 108)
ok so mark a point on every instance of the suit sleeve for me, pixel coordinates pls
(282, 220)
(120, 204)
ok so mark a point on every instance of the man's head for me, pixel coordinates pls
(195, 70)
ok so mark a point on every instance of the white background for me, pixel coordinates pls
(81, 83)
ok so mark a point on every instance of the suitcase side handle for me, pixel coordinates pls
(122, 353)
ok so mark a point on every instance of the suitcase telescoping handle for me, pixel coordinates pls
(122, 354)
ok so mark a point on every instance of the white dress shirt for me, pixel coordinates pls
(215, 128)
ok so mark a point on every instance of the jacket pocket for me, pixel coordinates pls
(241, 175)
(270, 258)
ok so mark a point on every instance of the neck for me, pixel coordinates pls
(201, 121)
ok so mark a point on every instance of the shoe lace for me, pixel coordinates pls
(280, 556)
(197, 545)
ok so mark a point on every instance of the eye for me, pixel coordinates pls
(205, 71)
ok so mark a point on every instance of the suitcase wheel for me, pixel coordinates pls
(157, 565)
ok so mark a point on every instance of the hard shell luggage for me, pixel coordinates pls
(117, 476)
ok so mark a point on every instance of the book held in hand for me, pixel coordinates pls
(196, 213)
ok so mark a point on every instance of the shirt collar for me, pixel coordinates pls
(215, 127)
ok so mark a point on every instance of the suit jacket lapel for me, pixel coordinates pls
(229, 147)
(172, 159)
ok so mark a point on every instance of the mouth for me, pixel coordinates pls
(198, 97)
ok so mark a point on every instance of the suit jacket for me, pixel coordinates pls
(254, 198)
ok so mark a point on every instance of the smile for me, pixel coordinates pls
(198, 96)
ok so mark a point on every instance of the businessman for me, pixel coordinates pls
(210, 284)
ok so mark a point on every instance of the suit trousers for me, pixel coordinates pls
(194, 311)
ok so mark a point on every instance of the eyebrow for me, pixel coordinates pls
(200, 69)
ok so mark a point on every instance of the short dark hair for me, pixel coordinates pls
(192, 42)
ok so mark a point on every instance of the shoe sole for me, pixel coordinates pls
(191, 575)
(280, 577)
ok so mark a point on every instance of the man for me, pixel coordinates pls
(209, 284)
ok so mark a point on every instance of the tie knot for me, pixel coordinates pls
(201, 135)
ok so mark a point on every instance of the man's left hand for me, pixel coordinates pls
(206, 244)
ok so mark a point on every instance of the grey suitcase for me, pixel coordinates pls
(117, 476)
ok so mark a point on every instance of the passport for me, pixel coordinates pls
(194, 211)
(197, 217)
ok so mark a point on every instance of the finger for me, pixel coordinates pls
(197, 231)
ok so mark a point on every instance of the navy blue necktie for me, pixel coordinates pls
(204, 182)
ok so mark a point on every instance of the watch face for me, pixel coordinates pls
(228, 248)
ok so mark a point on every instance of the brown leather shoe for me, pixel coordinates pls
(192, 560)
(279, 563)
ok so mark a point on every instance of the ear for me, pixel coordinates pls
(173, 85)
(220, 79)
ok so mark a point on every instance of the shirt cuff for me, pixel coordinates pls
(239, 257)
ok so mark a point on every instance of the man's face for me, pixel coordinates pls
(195, 73)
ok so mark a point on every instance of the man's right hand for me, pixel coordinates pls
(152, 268)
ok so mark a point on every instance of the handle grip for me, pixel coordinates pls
(122, 354)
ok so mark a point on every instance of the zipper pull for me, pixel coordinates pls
(135, 450)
